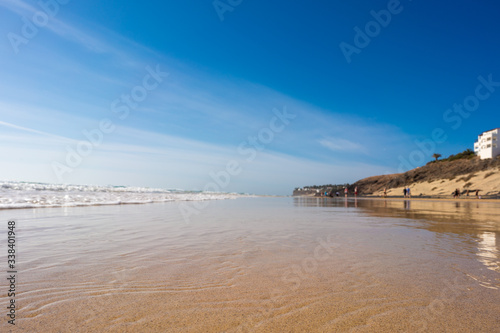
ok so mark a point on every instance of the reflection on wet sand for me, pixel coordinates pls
(261, 265)
(484, 216)
(489, 250)
(480, 221)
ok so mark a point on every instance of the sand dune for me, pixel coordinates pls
(488, 182)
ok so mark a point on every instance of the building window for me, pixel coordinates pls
(488, 146)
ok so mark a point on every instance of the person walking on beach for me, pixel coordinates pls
(404, 192)
(408, 193)
(385, 192)
(346, 191)
(477, 194)
(356, 191)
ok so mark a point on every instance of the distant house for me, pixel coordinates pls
(487, 145)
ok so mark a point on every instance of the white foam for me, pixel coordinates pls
(34, 195)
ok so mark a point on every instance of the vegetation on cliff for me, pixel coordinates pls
(457, 167)
(450, 168)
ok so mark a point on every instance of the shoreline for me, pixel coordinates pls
(396, 198)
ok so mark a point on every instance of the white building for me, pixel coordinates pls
(487, 145)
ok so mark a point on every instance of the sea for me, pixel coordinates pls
(15, 194)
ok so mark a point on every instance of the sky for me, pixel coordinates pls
(241, 96)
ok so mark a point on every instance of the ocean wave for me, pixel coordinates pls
(16, 195)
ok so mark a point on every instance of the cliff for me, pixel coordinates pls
(437, 178)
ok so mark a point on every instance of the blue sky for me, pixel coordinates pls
(228, 79)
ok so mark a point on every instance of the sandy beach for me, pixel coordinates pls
(260, 265)
(488, 182)
(244, 166)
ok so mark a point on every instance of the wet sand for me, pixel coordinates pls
(462, 198)
(259, 265)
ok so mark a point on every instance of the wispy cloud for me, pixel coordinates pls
(191, 125)
(17, 6)
(338, 144)
(57, 26)
(30, 130)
